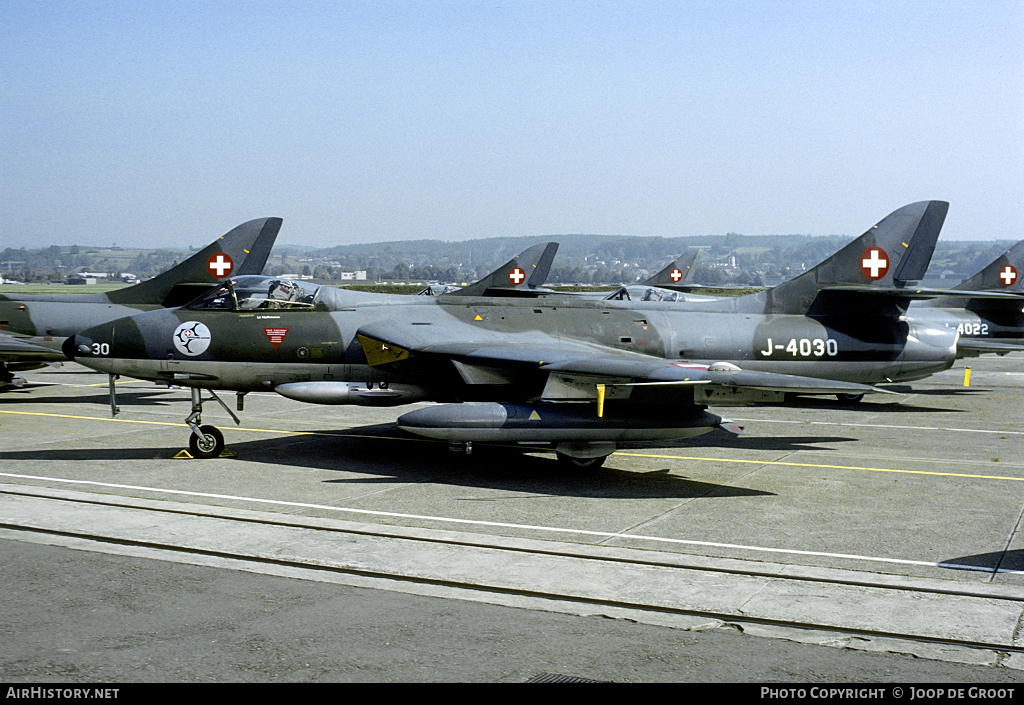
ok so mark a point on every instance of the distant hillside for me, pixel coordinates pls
(586, 259)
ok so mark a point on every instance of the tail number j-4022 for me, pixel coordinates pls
(804, 347)
(973, 329)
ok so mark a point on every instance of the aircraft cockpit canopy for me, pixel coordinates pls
(437, 290)
(643, 293)
(259, 293)
(653, 293)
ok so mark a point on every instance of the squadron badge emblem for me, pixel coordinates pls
(192, 338)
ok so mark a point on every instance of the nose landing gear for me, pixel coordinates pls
(206, 441)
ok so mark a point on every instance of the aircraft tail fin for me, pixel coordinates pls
(1004, 274)
(520, 275)
(679, 274)
(996, 288)
(243, 250)
(895, 251)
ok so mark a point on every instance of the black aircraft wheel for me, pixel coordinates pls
(210, 445)
(580, 463)
(850, 398)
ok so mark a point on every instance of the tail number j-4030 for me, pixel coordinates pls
(804, 347)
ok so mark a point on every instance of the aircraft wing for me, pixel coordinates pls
(492, 358)
(1001, 346)
(17, 349)
(921, 294)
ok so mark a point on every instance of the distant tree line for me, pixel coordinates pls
(732, 259)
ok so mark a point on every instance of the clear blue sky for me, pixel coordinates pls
(168, 123)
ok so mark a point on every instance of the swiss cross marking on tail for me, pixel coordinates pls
(1008, 275)
(516, 275)
(220, 265)
(874, 263)
(676, 274)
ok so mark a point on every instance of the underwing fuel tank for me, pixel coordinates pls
(538, 423)
(351, 393)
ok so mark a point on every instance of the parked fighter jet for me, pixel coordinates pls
(678, 276)
(985, 324)
(578, 373)
(523, 279)
(670, 284)
(843, 319)
(34, 326)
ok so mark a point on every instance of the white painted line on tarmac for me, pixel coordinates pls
(879, 425)
(524, 527)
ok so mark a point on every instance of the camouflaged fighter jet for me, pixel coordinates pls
(984, 310)
(33, 327)
(576, 373)
(985, 324)
(845, 319)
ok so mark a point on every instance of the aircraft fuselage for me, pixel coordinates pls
(248, 350)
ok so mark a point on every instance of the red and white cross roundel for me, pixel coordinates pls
(516, 275)
(874, 263)
(1008, 275)
(220, 265)
(676, 274)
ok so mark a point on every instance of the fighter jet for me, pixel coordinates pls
(676, 276)
(521, 279)
(986, 324)
(670, 284)
(579, 374)
(843, 319)
(34, 326)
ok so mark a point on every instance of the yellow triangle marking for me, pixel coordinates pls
(478, 318)
(535, 416)
(185, 455)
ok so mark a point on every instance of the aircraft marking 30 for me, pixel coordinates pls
(578, 373)
(33, 327)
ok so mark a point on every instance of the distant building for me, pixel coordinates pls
(359, 275)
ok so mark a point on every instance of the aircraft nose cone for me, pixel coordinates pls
(68, 348)
(76, 346)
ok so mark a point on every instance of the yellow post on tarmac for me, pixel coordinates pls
(967, 377)
(600, 401)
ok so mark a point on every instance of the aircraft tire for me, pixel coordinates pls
(580, 463)
(850, 398)
(210, 446)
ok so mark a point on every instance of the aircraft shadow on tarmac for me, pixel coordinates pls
(385, 454)
(728, 441)
(149, 396)
(886, 407)
(940, 391)
(997, 560)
